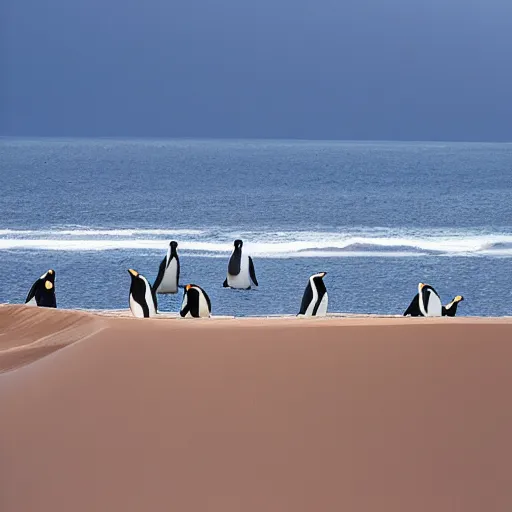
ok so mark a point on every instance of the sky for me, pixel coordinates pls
(322, 69)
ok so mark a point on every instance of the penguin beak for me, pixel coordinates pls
(323, 274)
(132, 272)
(421, 286)
(50, 272)
(459, 298)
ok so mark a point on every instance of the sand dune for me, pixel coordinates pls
(29, 333)
(253, 415)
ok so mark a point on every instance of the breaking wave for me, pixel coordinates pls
(217, 242)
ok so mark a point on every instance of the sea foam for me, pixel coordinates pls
(217, 242)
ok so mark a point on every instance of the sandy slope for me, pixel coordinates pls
(254, 415)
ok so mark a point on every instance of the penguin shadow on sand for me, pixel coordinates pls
(427, 303)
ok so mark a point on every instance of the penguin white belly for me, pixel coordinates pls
(136, 308)
(434, 308)
(169, 282)
(322, 308)
(243, 279)
(31, 302)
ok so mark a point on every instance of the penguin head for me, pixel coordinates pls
(317, 278)
(49, 280)
(173, 245)
(426, 290)
(458, 298)
(139, 282)
(238, 243)
(133, 273)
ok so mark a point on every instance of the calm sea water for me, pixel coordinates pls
(377, 217)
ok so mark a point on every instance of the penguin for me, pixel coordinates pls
(241, 273)
(451, 308)
(425, 303)
(143, 303)
(42, 292)
(196, 303)
(168, 277)
(315, 299)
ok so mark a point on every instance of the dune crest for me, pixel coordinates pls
(28, 333)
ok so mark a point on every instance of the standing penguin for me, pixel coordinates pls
(315, 299)
(42, 292)
(241, 273)
(168, 277)
(425, 303)
(143, 302)
(196, 303)
(451, 308)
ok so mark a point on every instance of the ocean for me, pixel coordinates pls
(378, 217)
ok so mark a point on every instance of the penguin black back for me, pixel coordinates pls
(307, 298)
(42, 292)
(236, 258)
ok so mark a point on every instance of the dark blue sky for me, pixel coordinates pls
(322, 69)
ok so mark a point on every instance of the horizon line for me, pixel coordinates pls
(249, 139)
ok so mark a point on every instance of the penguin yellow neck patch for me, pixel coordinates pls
(48, 285)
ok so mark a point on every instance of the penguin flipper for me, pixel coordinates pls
(225, 283)
(31, 293)
(414, 307)
(184, 311)
(306, 299)
(252, 272)
(443, 311)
